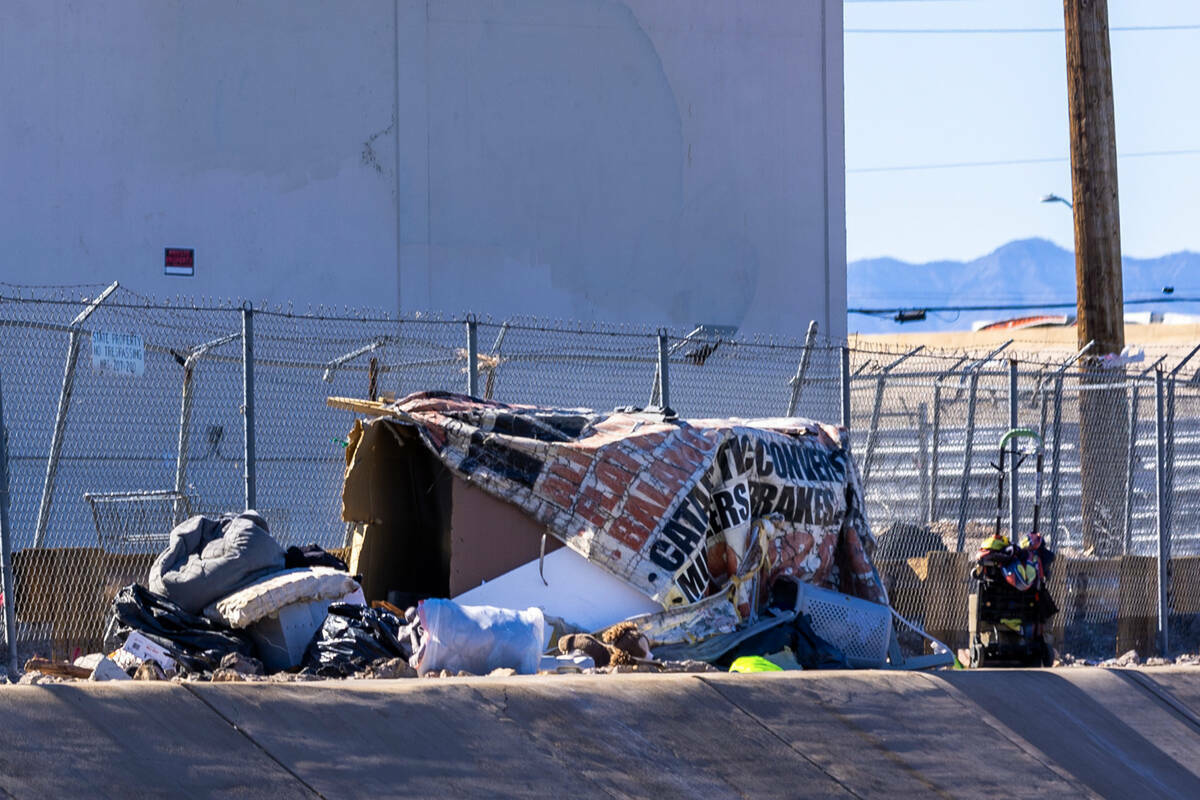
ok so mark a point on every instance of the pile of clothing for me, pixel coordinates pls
(224, 591)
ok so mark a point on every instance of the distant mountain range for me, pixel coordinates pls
(1020, 272)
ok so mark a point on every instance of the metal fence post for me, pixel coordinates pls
(845, 387)
(936, 438)
(810, 341)
(490, 386)
(10, 594)
(923, 505)
(1169, 463)
(968, 448)
(1135, 389)
(472, 356)
(1014, 507)
(877, 409)
(1132, 460)
(185, 433)
(248, 401)
(873, 429)
(190, 362)
(1056, 451)
(60, 418)
(1056, 457)
(1163, 510)
(934, 449)
(1168, 517)
(664, 377)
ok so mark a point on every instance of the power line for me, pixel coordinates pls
(967, 31)
(1012, 306)
(1014, 161)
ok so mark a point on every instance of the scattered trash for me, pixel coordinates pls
(600, 653)
(1130, 354)
(626, 638)
(621, 669)
(389, 668)
(1129, 658)
(687, 666)
(237, 667)
(623, 643)
(138, 649)
(207, 559)
(478, 638)
(102, 668)
(571, 662)
(35, 678)
(149, 671)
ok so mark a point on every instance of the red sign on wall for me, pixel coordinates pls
(180, 261)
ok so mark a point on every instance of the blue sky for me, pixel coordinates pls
(923, 99)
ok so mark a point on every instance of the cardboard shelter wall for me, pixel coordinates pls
(419, 529)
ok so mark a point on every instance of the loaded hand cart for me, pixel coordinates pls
(1009, 601)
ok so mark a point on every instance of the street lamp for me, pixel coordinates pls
(1053, 198)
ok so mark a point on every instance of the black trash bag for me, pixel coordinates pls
(197, 643)
(312, 555)
(352, 637)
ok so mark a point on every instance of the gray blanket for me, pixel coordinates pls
(207, 559)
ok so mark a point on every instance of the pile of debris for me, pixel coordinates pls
(496, 539)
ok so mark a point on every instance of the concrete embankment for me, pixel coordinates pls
(1012, 734)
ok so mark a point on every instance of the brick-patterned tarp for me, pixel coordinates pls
(668, 505)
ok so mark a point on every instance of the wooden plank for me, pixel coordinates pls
(368, 408)
(60, 669)
(372, 408)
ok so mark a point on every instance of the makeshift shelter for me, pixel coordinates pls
(702, 516)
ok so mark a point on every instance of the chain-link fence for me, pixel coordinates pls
(127, 414)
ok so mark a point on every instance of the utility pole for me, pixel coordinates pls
(1100, 306)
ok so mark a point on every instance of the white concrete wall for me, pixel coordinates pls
(650, 161)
